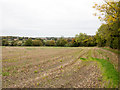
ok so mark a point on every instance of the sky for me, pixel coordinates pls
(48, 18)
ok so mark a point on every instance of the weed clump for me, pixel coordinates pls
(35, 71)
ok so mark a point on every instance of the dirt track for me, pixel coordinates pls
(43, 67)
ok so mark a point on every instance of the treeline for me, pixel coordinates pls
(104, 37)
(78, 40)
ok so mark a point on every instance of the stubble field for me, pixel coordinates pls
(59, 67)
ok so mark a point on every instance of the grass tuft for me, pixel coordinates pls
(5, 73)
(83, 58)
(35, 71)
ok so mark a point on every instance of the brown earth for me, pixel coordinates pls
(53, 67)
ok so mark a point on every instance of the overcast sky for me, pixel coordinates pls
(41, 18)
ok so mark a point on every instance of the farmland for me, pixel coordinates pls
(59, 67)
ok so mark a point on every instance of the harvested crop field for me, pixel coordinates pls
(59, 67)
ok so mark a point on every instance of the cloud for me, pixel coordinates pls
(48, 17)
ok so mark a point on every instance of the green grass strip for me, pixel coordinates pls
(109, 73)
(112, 50)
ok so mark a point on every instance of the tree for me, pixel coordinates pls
(50, 43)
(61, 42)
(5, 42)
(74, 43)
(37, 43)
(110, 31)
(110, 14)
(109, 11)
(13, 43)
(79, 38)
(28, 42)
(19, 43)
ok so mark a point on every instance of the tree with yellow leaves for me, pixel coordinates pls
(109, 11)
(109, 14)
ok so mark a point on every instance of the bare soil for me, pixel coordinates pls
(53, 67)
